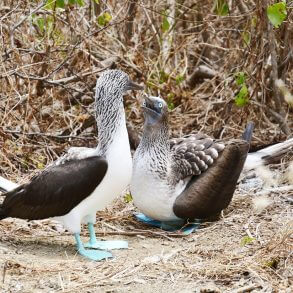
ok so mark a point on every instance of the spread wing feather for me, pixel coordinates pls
(75, 153)
(193, 154)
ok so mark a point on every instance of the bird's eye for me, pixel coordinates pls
(160, 105)
(144, 103)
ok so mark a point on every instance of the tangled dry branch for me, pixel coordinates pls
(181, 50)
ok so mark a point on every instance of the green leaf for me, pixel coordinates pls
(273, 264)
(40, 22)
(241, 98)
(246, 240)
(108, 17)
(49, 25)
(163, 77)
(80, 2)
(73, 2)
(240, 78)
(128, 198)
(104, 19)
(170, 103)
(165, 24)
(277, 13)
(246, 37)
(150, 84)
(179, 78)
(221, 7)
(101, 20)
(50, 4)
(254, 21)
(40, 165)
(60, 3)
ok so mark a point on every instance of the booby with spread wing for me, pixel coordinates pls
(80, 183)
(192, 177)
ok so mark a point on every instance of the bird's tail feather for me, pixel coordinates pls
(247, 134)
(268, 155)
(7, 185)
(2, 214)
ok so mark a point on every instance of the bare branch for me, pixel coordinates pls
(274, 77)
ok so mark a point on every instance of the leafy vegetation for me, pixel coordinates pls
(198, 56)
(104, 19)
(221, 7)
(241, 99)
(246, 240)
(165, 24)
(277, 13)
(128, 198)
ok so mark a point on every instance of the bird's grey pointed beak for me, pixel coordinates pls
(149, 113)
(151, 116)
(148, 100)
(133, 86)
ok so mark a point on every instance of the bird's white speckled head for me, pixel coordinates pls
(155, 110)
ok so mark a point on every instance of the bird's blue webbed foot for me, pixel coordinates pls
(90, 253)
(95, 255)
(169, 225)
(105, 245)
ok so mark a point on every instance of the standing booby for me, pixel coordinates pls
(192, 177)
(80, 183)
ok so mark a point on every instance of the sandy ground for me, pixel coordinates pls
(244, 251)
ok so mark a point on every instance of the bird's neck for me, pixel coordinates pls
(110, 122)
(155, 146)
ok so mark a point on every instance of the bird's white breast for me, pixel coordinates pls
(152, 195)
(116, 180)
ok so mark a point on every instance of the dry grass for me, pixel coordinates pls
(46, 105)
(47, 77)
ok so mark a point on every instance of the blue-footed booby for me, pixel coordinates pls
(82, 182)
(192, 177)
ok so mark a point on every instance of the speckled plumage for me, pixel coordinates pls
(193, 154)
(109, 111)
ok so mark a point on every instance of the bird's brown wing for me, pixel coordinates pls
(209, 193)
(56, 191)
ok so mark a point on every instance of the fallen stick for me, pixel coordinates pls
(246, 288)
